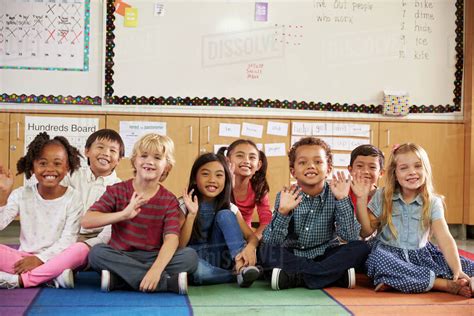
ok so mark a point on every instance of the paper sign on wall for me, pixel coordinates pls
(130, 17)
(343, 143)
(252, 130)
(75, 129)
(275, 149)
(229, 130)
(131, 131)
(300, 128)
(320, 129)
(277, 128)
(341, 160)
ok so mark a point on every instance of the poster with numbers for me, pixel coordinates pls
(75, 129)
(44, 34)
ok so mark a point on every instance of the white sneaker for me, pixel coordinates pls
(9, 281)
(183, 283)
(105, 281)
(351, 278)
(65, 280)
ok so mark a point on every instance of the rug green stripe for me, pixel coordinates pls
(260, 299)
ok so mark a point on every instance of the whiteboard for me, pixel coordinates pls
(322, 51)
(51, 51)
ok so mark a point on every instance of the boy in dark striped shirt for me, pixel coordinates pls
(143, 252)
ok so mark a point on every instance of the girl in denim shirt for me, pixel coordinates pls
(406, 212)
(214, 227)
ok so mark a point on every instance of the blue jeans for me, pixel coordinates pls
(222, 242)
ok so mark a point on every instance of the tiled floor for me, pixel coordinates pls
(10, 235)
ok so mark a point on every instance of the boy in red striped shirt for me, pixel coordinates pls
(143, 252)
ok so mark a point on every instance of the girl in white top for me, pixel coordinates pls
(49, 212)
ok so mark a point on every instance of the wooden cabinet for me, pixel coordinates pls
(278, 173)
(17, 136)
(444, 143)
(4, 140)
(184, 133)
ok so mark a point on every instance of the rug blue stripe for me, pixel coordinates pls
(87, 298)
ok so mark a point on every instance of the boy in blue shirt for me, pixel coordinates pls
(302, 245)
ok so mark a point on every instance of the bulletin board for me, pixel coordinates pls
(331, 55)
(51, 51)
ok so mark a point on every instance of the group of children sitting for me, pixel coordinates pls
(139, 236)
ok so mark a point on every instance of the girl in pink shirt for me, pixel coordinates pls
(250, 187)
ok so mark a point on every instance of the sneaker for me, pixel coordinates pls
(178, 283)
(65, 280)
(282, 280)
(106, 281)
(348, 280)
(9, 281)
(247, 276)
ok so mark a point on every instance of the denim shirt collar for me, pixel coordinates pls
(398, 196)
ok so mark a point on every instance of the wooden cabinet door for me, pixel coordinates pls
(184, 133)
(5, 141)
(17, 137)
(444, 143)
(278, 172)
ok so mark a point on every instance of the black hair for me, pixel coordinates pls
(367, 150)
(258, 181)
(25, 163)
(107, 134)
(222, 201)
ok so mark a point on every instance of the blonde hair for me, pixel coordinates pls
(155, 143)
(391, 185)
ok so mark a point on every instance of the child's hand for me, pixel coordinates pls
(192, 204)
(248, 255)
(6, 184)
(340, 185)
(289, 199)
(27, 264)
(232, 169)
(360, 186)
(133, 208)
(150, 280)
(460, 275)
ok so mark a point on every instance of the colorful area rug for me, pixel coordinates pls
(229, 299)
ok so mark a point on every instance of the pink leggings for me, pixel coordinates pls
(73, 257)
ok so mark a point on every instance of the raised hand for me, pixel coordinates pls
(340, 185)
(133, 208)
(6, 185)
(232, 169)
(192, 204)
(289, 199)
(360, 186)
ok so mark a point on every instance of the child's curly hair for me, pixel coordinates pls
(309, 141)
(25, 163)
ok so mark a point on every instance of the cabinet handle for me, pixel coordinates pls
(208, 134)
(371, 136)
(388, 138)
(190, 134)
(17, 130)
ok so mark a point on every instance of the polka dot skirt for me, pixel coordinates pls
(410, 271)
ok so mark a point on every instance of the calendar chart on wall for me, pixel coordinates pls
(51, 51)
(44, 34)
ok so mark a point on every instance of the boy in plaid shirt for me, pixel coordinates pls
(302, 245)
